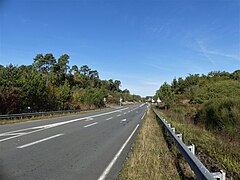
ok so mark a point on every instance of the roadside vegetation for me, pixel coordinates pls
(150, 157)
(206, 109)
(51, 84)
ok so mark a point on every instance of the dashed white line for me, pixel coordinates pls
(108, 168)
(125, 113)
(118, 115)
(123, 120)
(39, 141)
(143, 116)
(89, 119)
(109, 118)
(91, 124)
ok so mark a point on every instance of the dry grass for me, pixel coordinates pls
(150, 158)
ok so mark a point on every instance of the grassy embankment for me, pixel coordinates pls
(215, 150)
(150, 157)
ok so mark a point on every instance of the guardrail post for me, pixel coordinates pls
(179, 136)
(169, 125)
(219, 175)
(192, 148)
(173, 129)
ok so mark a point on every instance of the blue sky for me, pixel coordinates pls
(143, 43)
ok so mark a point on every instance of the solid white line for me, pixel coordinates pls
(91, 124)
(109, 118)
(39, 141)
(143, 115)
(107, 170)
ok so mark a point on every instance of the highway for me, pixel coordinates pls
(86, 146)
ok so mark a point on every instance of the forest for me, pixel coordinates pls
(51, 84)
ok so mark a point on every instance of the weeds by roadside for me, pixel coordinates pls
(150, 157)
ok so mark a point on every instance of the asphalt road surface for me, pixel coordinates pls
(88, 146)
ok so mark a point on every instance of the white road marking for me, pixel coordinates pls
(20, 135)
(39, 141)
(44, 127)
(91, 124)
(11, 134)
(129, 111)
(89, 119)
(143, 115)
(125, 113)
(109, 118)
(118, 115)
(123, 120)
(108, 168)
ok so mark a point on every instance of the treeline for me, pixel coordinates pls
(51, 84)
(212, 100)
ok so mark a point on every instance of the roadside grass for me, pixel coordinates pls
(214, 151)
(150, 157)
(17, 120)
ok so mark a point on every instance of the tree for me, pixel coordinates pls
(63, 63)
(61, 68)
(165, 94)
(85, 70)
(117, 85)
(64, 94)
(75, 69)
(44, 64)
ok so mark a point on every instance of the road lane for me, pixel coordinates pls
(81, 153)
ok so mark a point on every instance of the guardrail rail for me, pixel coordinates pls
(188, 152)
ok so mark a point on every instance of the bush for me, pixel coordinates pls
(221, 114)
(219, 89)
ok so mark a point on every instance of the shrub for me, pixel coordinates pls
(220, 114)
(219, 89)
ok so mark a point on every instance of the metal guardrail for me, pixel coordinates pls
(188, 153)
(35, 114)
